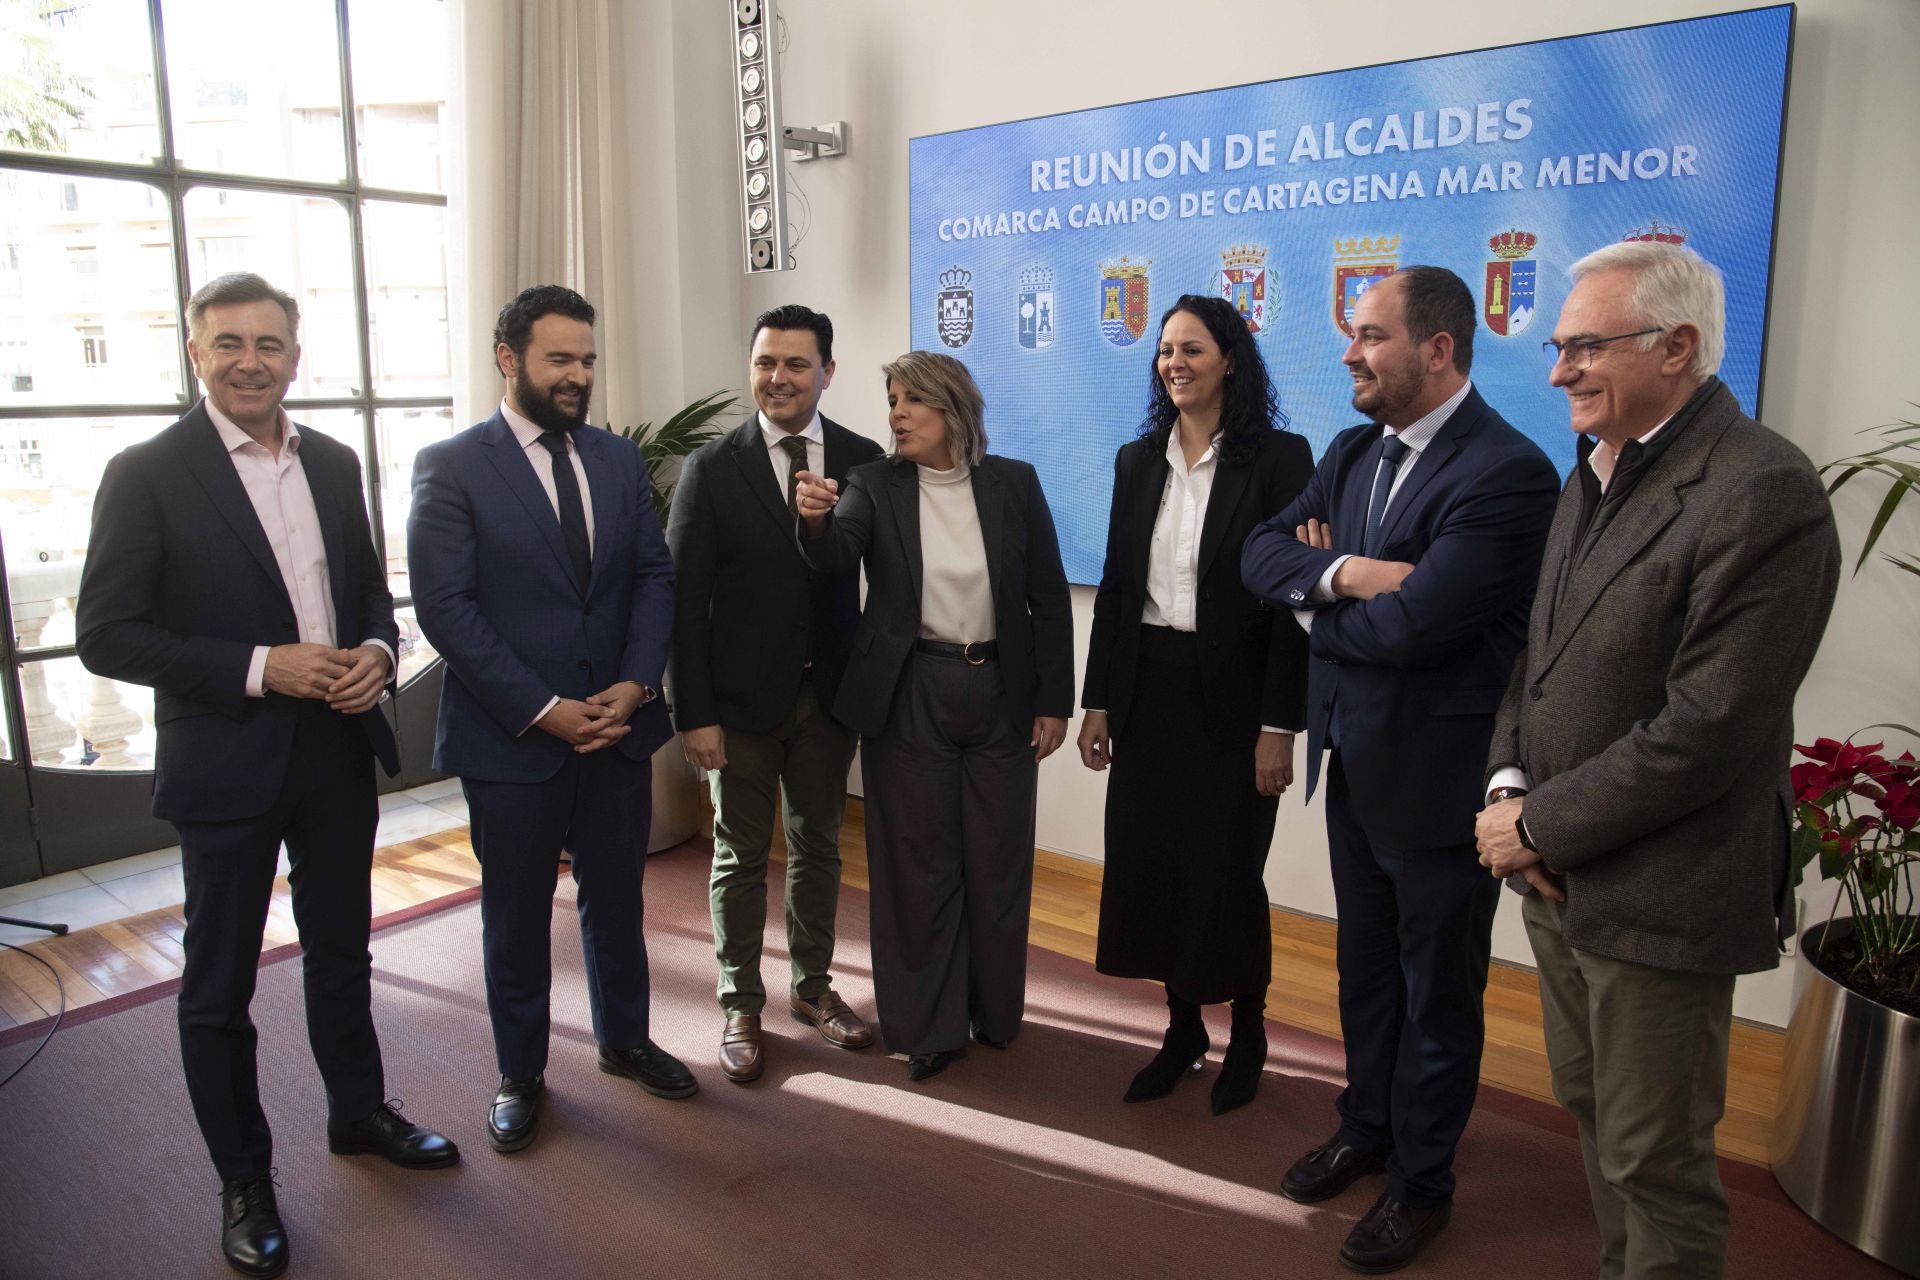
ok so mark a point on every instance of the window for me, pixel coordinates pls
(329, 161)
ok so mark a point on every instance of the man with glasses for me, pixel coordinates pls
(231, 567)
(1411, 556)
(1637, 789)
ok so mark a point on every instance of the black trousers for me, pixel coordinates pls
(326, 814)
(598, 808)
(1416, 936)
(950, 811)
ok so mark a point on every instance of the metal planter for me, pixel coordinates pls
(1846, 1141)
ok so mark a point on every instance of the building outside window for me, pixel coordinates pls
(138, 166)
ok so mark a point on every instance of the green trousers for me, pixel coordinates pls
(1639, 1056)
(804, 762)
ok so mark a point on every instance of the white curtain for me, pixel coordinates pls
(537, 108)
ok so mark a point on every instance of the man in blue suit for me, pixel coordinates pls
(540, 575)
(1411, 558)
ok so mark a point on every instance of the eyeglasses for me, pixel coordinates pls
(1579, 352)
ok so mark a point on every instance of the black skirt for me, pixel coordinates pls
(1182, 900)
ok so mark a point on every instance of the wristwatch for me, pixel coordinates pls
(1498, 794)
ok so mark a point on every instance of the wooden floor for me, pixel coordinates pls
(126, 955)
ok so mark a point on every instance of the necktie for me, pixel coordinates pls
(1392, 450)
(573, 513)
(796, 447)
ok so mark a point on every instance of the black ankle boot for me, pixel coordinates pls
(1181, 1050)
(1246, 1056)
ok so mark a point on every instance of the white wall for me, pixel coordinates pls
(1841, 353)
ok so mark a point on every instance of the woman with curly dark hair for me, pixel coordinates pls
(1193, 692)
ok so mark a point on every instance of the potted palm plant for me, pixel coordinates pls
(677, 813)
(1846, 1141)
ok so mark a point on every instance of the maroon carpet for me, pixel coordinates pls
(1013, 1164)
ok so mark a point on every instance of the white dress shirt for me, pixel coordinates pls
(276, 485)
(814, 434)
(1173, 555)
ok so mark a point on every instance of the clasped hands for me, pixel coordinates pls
(348, 680)
(1497, 831)
(1358, 577)
(598, 721)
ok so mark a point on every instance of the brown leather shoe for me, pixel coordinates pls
(835, 1020)
(740, 1056)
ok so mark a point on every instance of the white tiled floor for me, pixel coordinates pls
(149, 881)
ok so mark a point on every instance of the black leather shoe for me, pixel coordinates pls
(1392, 1235)
(387, 1133)
(1181, 1051)
(251, 1234)
(1327, 1170)
(925, 1066)
(515, 1113)
(652, 1068)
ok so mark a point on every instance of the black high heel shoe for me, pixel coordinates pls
(1182, 1049)
(1246, 1057)
(925, 1066)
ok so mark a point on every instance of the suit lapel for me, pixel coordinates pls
(1429, 462)
(1229, 486)
(1149, 484)
(1350, 520)
(516, 471)
(749, 453)
(903, 493)
(989, 504)
(604, 486)
(210, 464)
(333, 538)
(1654, 502)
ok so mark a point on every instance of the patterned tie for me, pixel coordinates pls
(796, 447)
(1392, 450)
(573, 512)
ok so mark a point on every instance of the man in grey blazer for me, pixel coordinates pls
(1637, 787)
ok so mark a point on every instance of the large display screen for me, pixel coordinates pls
(1044, 251)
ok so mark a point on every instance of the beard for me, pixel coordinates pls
(1389, 392)
(540, 408)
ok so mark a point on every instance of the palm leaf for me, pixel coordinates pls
(662, 447)
(1902, 475)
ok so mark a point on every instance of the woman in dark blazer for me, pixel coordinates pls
(960, 682)
(1194, 690)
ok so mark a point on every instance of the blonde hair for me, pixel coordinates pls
(944, 383)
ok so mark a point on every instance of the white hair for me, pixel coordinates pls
(1672, 286)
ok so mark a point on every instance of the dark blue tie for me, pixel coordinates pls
(573, 512)
(1392, 450)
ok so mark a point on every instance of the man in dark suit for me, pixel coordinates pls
(541, 577)
(1638, 781)
(759, 641)
(1411, 556)
(231, 568)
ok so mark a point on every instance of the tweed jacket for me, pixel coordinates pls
(1652, 707)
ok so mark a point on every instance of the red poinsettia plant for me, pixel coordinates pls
(1857, 812)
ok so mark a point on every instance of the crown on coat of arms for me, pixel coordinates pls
(1363, 248)
(1125, 269)
(1037, 278)
(955, 278)
(1512, 244)
(1243, 255)
(1654, 233)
